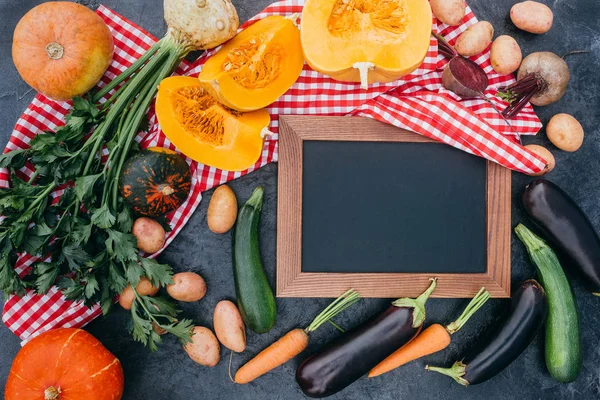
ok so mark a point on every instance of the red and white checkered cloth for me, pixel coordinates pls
(417, 102)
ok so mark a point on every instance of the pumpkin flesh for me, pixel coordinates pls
(62, 49)
(70, 363)
(383, 39)
(205, 130)
(256, 67)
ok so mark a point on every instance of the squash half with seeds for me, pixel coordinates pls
(207, 131)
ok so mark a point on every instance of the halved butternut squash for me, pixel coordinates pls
(365, 40)
(257, 66)
(205, 130)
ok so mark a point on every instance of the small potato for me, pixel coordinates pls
(204, 347)
(222, 210)
(532, 17)
(450, 12)
(565, 132)
(144, 288)
(229, 326)
(475, 39)
(149, 233)
(546, 155)
(187, 287)
(506, 55)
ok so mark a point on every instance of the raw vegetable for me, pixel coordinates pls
(507, 342)
(565, 132)
(344, 360)
(64, 363)
(546, 155)
(542, 79)
(229, 327)
(187, 287)
(505, 55)
(87, 233)
(204, 347)
(433, 339)
(62, 49)
(155, 181)
(150, 235)
(143, 288)
(532, 17)
(254, 295)
(563, 342)
(222, 210)
(475, 39)
(567, 227)
(205, 130)
(292, 343)
(365, 41)
(450, 12)
(257, 66)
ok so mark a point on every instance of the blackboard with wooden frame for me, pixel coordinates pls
(330, 141)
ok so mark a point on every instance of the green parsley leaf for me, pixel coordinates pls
(10, 283)
(70, 288)
(75, 256)
(103, 218)
(158, 274)
(84, 186)
(116, 277)
(141, 326)
(91, 285)
(122, 246)
(124, 220)
(83, 106)
(82, 232)
(134, 272)
(68, 170)
(181, 329)
(14, 159)
(46, 272)
(42, 141)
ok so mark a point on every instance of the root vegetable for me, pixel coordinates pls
(450, 12)
(475, 39)
(222, 210)
(542, 79)
(187, 287)
(532, 17)
(565, 132)
(506, 55)
(144, 288)
(204, 348)
(149, 234)
(229, 326)
(546, 155)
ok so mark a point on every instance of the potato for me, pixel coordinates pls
(187, 287)
(565, 132)
(229, 326)
(545, 154)
(532, 17)
(222, 210)
(149, 233)
(204, 347)
(475, 39)
(144, 288)
(450, 12)
(506, 55)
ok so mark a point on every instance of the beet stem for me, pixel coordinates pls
(519, 93)
(571, 53)
(444, 47)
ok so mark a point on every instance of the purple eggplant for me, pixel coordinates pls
(352, 355)
(567, 227)
(527, 314)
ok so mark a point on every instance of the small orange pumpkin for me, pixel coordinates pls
(64, 364)
(62, 49)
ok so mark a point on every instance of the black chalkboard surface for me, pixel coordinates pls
(392, 207)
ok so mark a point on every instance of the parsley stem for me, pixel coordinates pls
(41, 197)
(33, 176)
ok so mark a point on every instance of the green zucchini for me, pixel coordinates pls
(254, 295)
(563, 343)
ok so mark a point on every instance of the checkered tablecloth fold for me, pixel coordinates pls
(417, 102)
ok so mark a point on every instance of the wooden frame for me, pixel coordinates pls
(292, 282)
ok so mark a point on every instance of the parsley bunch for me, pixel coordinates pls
(85, 236)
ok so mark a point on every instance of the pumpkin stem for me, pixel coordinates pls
(200, 3)
(166, 190)
(52, 393)
(364, 68)
(55, 51)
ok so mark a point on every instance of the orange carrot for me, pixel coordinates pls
(433, 339)
(292, 343)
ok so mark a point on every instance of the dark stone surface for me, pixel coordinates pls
(170, 374)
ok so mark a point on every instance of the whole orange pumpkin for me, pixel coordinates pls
(62, 49)
(64, 364)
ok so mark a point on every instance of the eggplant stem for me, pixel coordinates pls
(475, 304)
(456, 372)
(417, 304)
(347, 299)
